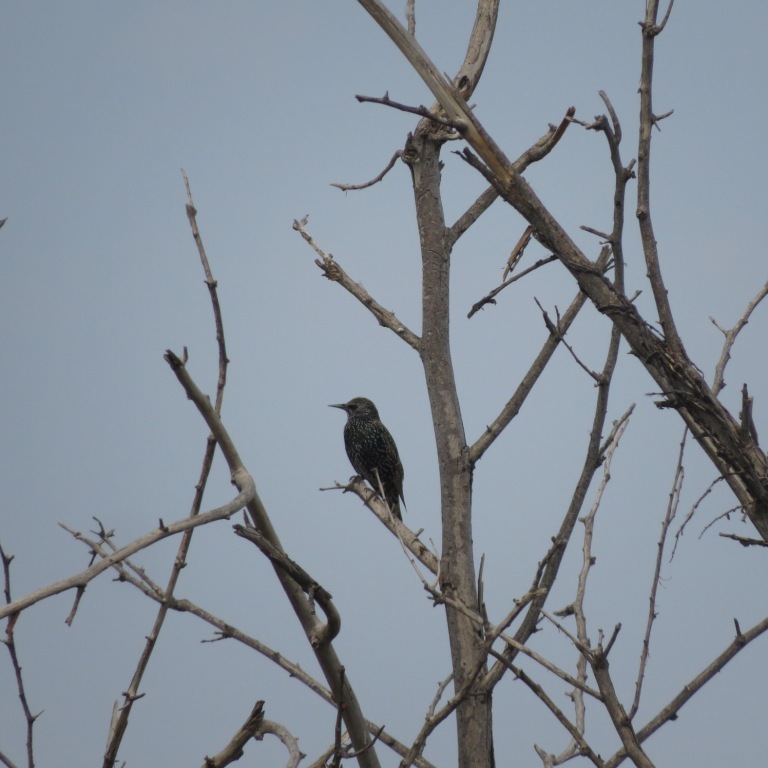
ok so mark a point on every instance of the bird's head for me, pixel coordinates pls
(360, 407)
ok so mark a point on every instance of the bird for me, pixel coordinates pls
(372, 451)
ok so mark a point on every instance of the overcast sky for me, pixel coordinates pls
(103, 104)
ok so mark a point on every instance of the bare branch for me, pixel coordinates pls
(691, 513)
(421, 110)
(4, 759)
(744, 540)
(730, 338)
(229, 631)
(478, 47)
(375, 180)
(10, 644)
(291, 743)
(120, 724)
(471, 215)
(621, 723)
(546, 143)
(647, 120)
(321, 635)
(711, 424)
(535, 153)
(234, 750)
(602, 235)
(471, 675)
(581, 641)
(336, 761)
(660, 27)
(225, 630)
(410, 16)
(325, 654)
(593, 459)
(584, 748)
(409, 539)
(674, 501)
(517, 251)
(167, 529)
(439, 694)
(490, 298)
(334, 272)
(578, 682)
(555, 330)
(515, 403)
(214, 295)
(671, 710)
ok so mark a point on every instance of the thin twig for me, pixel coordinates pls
(647, 120)
(691, 513)
(691, 688)
(555, 330)
(335, 273)
(439, 694)
(730, 338)
(669, 516)
(576, 735)
(421, 110)
(745, 541)
(10, 644)
(577, 682)
(471, 675)
(163, 532)
(490, 298)
(550, 345)
(727, 515)
(119, 726)
(374, 180)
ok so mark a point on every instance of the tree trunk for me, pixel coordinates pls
(457, 569)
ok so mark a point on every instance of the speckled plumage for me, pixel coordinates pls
(370, 448)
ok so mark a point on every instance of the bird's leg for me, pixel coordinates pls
(380, 490)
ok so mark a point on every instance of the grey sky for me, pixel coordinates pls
(103, 103)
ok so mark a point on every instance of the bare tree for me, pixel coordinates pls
(484, 650)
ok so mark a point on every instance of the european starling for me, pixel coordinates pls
(372, 451)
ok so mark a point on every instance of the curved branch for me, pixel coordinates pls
(314, 590)
(290, 742)
(374, 180)
(234, 750)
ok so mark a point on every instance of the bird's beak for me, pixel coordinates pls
(343, 406)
